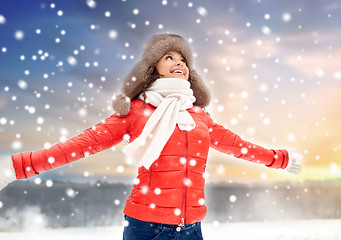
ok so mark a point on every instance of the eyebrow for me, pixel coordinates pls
(169, 53)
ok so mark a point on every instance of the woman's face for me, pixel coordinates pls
(172, 65)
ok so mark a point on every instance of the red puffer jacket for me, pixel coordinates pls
(171, 191)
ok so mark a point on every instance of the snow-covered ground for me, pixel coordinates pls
(298, 230)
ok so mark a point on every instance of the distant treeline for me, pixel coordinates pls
(67, 204)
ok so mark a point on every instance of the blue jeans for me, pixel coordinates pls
(139, 230)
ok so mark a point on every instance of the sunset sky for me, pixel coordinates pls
(273, 68)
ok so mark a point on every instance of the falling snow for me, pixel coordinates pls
(202, 11)
(2, 19)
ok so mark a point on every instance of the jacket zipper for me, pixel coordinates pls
(184, 191)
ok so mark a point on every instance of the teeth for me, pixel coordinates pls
(178, 71)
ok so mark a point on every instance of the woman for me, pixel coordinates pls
(160, 109)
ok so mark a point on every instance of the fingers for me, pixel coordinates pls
(295, 171)
(295, 162)
(294, 168)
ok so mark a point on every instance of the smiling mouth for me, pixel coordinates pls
(178, 72)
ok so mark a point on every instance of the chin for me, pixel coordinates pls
(180, 77)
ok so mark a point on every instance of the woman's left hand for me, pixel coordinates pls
(295, 163)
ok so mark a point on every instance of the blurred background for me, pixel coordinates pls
(273, 68)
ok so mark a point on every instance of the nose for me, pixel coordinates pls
(180, 63)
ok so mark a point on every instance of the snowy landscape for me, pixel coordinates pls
(292, 230)
(73, 210)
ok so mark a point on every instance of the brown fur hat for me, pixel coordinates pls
(139, 76)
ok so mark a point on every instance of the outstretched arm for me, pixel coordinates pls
(228, 142)
(97, 138)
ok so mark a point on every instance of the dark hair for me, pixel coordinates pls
(153, 77)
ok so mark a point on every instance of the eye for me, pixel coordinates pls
(183, 60)
(169, 57)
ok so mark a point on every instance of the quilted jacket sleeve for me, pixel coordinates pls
(97, 138)
(228, 142)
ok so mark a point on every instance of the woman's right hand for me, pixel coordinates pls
(7, 173)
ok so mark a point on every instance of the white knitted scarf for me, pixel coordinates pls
(171, 97)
